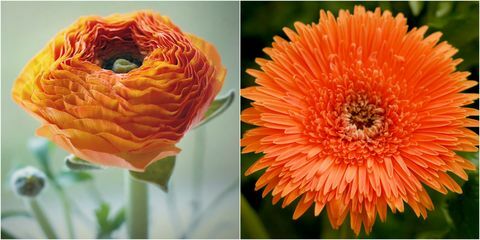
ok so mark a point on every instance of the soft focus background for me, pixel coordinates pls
(455, 216)
(27, 27)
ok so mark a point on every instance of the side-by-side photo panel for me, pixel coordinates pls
(359, 119)
(120, 120)
(239, 120)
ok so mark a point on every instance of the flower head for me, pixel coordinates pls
(357, 113)
(28, 181)
(120, 90)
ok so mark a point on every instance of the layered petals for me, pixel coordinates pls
(130, 119)
(356, 114)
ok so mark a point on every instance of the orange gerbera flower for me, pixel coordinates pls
(120, 90)
(356, 113)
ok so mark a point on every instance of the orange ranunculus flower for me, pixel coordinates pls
(126, 113)
(356, 114)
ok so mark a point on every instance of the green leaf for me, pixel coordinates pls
(70, 177)
(459, 28)
(438, 234)
(41, 149)
(471, 156)
(464, 210)
(77, 164)
(102, 215)
(416, 7)
(344, 232)
(107, 225)
(438, 223)
(15, 213)
(217, 107)
(252, 226)
(385, 5)
(443, 8)
(118, 219)
(158, 173)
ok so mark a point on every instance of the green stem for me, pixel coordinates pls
(136, 208)
(67, 212)
(199, 154)
(41, 218)
(252, 226)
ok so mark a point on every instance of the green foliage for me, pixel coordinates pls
(443, 8)
(471, 156)
(464, 210)
(247, 160)
(453, 213)
(416, 7)
(108, 224)
(252, 227)
(459, 24)
(158, 173)
(42, 150)
(279, 222)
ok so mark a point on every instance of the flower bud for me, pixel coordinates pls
(28, 181)
(75, 163)
(123, 66)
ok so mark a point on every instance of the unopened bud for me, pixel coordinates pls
(28, 181)
(75, 163)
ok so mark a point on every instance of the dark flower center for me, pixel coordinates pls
(362, 119)
(118, 52)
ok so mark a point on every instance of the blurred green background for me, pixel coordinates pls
(455, 216)
(27, 27)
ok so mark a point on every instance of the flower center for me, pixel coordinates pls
(117, 52)
(122, 64)
(361, 119)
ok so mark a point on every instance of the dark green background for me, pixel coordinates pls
(455, 216)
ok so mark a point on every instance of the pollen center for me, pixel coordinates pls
(361, 119)
(123, 66)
